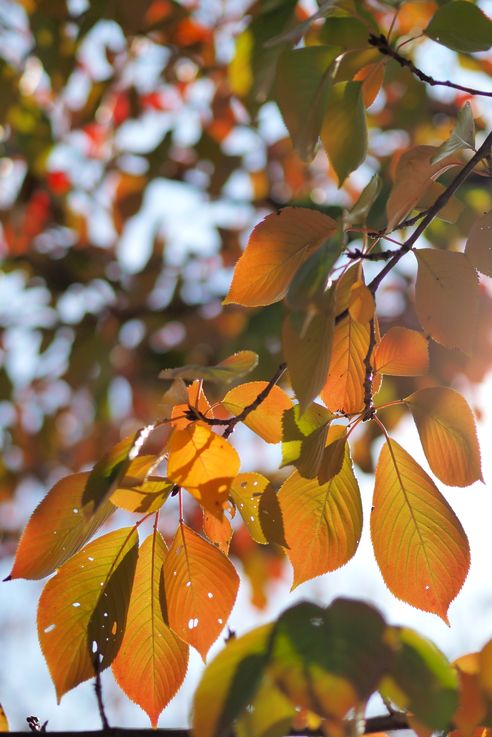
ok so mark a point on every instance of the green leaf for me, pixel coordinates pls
(461, 26)
(231, 368)
(359, 212)
(229, 683)
(304, 437)
(301, 89)
(421, 679)
(329, 660)
(308, 287)
(306, 341)
(345, 32)
(107, 472)
(462, 137)
(270, 713)
(344, 130)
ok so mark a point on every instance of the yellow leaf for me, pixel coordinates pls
(446, 297)
(448, 435)
(143, 498)
(229, 683)
(414, 172)
(152, 661)
(361, 303)
(344, 388)
(201, 587)
(58, 528)
(333, 454)
(82, 610)
(257, 502)
(276, 249)
(401, 352)
(266, 420)
(204, 463)
(419, 543)
(322, 522)
(479, 244)
(270, 713)
(471, 703)
(4, 724)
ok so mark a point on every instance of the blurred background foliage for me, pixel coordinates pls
(139, 144)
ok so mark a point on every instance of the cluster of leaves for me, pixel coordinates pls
(138, 607)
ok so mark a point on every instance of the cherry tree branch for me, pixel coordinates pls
(381, 43)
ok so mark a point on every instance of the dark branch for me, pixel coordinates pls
(369, 374)
(98, 692)
(383, 46)
(357, 253)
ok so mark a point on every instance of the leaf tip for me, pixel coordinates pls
(9, 577)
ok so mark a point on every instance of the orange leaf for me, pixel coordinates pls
(82, 610)
(266, 420)
(401, 352)
(152, 661)
(419, 543)
(204, 463)
(323, 523)
(471, 707)
(446, 297)
(361, 302)
(4, 724)
(344, 388)
(372, 77)
(333, 455)
(201, 586)
(143, 498)
(219, 532)
(479, 244)
(57, 529)
(276, 249)
(448, 435)
(257, 502)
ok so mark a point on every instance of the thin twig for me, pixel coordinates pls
(382, 45)
(98, 692)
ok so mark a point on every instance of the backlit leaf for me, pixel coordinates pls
(479, 244)
(359, 212)
(345, 32)
(421, 679)
(333, 454)
(152, 661)
(201, 586)
(328, 660)
(266, 420)
(461, 26)
(446, 297)
(361, 303)
(301, 88)
(145, 497)
(197, 400)
(57, 529)
(304, 437)
(414, 172)
(219, 532)
(307, 290)
(307, 347)
(4, 724)
(344, 130)
(231, 368)
(82, 610)
(419, 543)
(344, 387)
(270, 713)
(258, 505)
(204, 463)
(229, 683)
(276, 249)
(401, 352)
(471, 703)
(448, 434)
(104, 477)
(462, 137)
(322, 522)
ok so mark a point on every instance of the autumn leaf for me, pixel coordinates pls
(344, 387)
(270, 713)
(401, 352)
(333, 454)
(200, 586)
(322, 522)
(204, 463)
(143, 498)
(152, 661)
(197, 400)
(419, 543)
(83, 608)
(266, 419)
(303, 438)
(57, 529)
(471, 702)
(258, 505)
(446, 297)
(231, 368)
(104, 477)
(361, 303)
(219, 532)
(4, 724)
(229, 683)
(448, 434)
(276, 249)
(479, 244)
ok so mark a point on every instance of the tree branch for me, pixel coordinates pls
(382, 45)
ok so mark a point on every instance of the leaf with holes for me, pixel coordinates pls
(446, 297)
(58, 528)
(229, 683)
(258, 505)
(266, 419)
(82, 610)
(201, 587)
(419, 543)
(276, 249)
(401, 352)
(152, 661)
(323, 522)
(204, 463)
(479, 244)
(448, 434)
